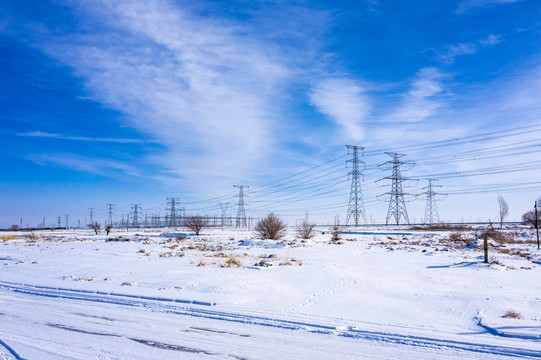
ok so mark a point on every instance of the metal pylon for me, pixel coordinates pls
(356, 202)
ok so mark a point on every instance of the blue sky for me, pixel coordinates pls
(131, 102)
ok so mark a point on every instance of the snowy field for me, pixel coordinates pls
(167, 294)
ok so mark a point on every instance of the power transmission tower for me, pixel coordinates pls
(135, 214)
(110, 214)
(67, 218)
(356, 203)
(241, 212)
(92, 215)
(58, 222)
(431, 211)
(172, 209)
(223, 206)
(397, 205)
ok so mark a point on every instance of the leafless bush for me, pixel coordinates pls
(336, 231)
(271, 227)
(456, 236)
(31, 235)
(305, 230)
(96, 227)
(195, 223)
(513, 314)
(14, 227)
(108, 229)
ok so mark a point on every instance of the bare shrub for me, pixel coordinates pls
(96, 227)
(498, 236)
(456, 236)
(271, 227)
(336, 231)
(512, 314)
(14, 227)
(195, 223)
(305, 230)
(108, 229)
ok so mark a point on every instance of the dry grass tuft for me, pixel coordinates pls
(232, 262)
(512, 314)
(142, 251)
(442, 226)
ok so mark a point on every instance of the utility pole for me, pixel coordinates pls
(397, 205)
(356, 202)
(110, 214)
(135, 213)
(172, 208)
(241, 211)
(431, 211)
(223, 206)
(91, 215)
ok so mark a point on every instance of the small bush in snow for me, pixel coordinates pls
(512, 314)
(335, 233)
(305, 230)
(271, 227)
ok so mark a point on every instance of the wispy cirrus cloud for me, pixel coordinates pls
(80, 138)
(469, 4)
(422, 100)
(206, 89)
(452, 51)
(342, 100)
(103, 167)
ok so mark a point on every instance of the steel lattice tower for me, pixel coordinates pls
(241, 212)
(172, 208)
(91, 215)
(135, 213)
(397, 205)
(356, 202)
(431, 211)
(223, 206)
(110, 214)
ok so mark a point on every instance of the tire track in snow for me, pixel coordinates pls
(187, 308)
(7, 353)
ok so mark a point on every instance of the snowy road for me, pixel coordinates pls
(46, 323)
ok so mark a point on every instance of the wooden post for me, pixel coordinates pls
(486, 249)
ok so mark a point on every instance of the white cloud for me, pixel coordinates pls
(202, 88)
(491, 40)
(107, 168)
(342, 100)
(458, 50)
(422, 100)
(79, 138)
(466, 5)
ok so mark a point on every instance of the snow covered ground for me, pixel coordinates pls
(377, 293)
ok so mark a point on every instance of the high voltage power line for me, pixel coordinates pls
(324, 188)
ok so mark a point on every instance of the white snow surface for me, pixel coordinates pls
(378, 293)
